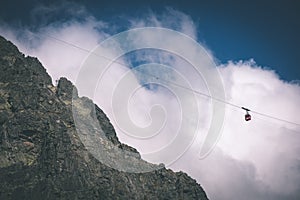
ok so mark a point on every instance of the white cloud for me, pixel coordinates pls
(51, 43)
(259, 159)
(172, 19)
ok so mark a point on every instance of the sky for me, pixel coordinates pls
(265, 30)
(249, 52)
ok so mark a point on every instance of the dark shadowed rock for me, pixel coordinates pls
(41, 155)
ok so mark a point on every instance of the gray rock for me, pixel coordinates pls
(41, 155)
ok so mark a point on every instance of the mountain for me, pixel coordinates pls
(41, 151)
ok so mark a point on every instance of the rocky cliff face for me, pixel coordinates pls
(41, 155)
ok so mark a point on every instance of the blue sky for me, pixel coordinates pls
(267, 31)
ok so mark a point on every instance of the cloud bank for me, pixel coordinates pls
(259, 159)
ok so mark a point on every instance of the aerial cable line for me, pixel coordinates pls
(175, 84)
(275, 118)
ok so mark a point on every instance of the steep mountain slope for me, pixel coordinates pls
(42, 156)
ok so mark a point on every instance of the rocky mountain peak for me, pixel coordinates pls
(42, 155)
(66, 90)
(15, 67)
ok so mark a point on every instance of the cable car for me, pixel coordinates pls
(247, 116)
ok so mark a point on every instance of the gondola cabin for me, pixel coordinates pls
(247, 117)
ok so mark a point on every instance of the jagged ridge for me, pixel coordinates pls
(41, 156)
